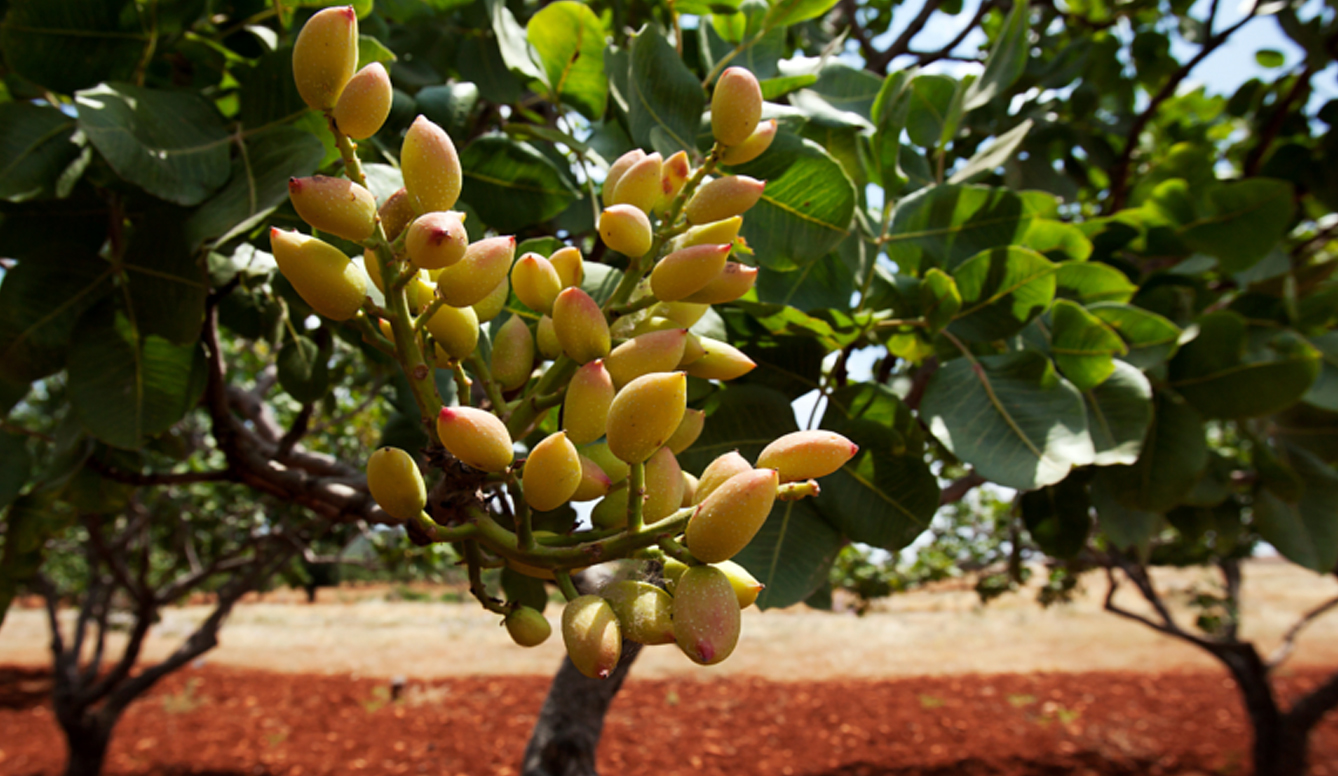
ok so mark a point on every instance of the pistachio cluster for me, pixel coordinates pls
(617, 371)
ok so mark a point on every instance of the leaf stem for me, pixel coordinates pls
(636, 494)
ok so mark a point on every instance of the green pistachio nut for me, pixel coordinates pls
(593, 638)
(625, 229)
(570, 266)
(728, 519)
(536, 282)
(644, 611)
(707, 620)
(585, 409)
(396, 484)
(807, 455)
(656, 351)
(687, 271)
(431, 167)
(325, 55)
(732, 195)
(437, 240)
(722, 361)
(552, 473)
(471, 279)
(365, 102)
(720, 471)
(639, 186)
(688, 430)
(736, 106)
(455, 329)
(664, 486)
(645, 413)
(478, 438)
(321, 274)
(527, 627)
(512, 354)
(580, 326)
(335, 205)
(753, 146)
(616, 170)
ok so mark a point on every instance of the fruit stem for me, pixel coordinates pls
(490, 387)
(648, 300)
(636, 493)
(422, 382)
(534, 405)
(371, 336)
(500, 541)
(674, 549)
(441, 533)
(421, 321)
(525, 534)
(462, 384)
(476, 586)
(565, 584)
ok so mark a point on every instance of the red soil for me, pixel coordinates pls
(228, 722)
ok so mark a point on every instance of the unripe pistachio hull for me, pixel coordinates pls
(613, 466)
(657, 351)
(616, 170)
(570, 266)
(806, 455)
(491, 306)
(736, 106)
(528, 627)
(725, 231)
(512, 354)
(321, 274)
(594, 482)
(592, 636)
(325, 55)
(688, 430)
(734, 281)
(625, 229)
(722, 361)
(335, 205)
(645, 413)
(728, 519)
(640, 185)
(673, 176)
(552, 473)
(455, 329)
(664, 486)
(707, 620)
(580, 326)
(644, 611)
(431, 167)
(545, 337)
(395, 483)
(754, 146)
(585, 410)
(746, 587)
(396, 213)
(365, 102)
(720, 471)
(722, 198)
(477, 438)
(536, 282)
(436, 240)
(485, 265)
(685, 272)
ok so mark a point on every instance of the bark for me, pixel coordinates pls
(1279, 744)
(86, 744)
(566, 735)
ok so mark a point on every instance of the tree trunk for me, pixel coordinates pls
(567, 732)
(1279, 744)
(86, 746)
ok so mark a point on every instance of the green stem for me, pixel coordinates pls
(422, 384)
(490, 387)
(502, 542)
(421, 322)
(524, 522)
(565, 584)
(462, 394)
(475, 562)
(674, 549)
(371, 336)
(532, 407)
(636, 493)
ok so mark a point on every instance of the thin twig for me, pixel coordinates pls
(1288, 644)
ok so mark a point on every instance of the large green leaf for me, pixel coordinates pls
(885, 496)
(304, 369)
(1059, 241)
(930, 116)
(1151, 338)
(665, 99)
(511, 184)
(1124, 525)
(784, 13)
(66, 45)
(1118, 413)
(125, 387)
(1010, 416)
(747, 418)
(1002, 290)
(1324, 392)
(986, 160)
(167, 280)
(1241, 222)
(943, 226)
(1091, 282)
(1173, 457)
(1083, 347)
(889, 113)
(268, 92)
(806, 208)
(791, 554)
(1305, 530)
(451, 106)
(171, 144)
(15, 466)
(759, 55)
(1308, 428)
(258, 184)
(36, 147)
(1058, 516)
(29, 522)
(1223, 374)
(516, 51)
(1007, 60)
(41, 299)
(569, 40)
(825, 283)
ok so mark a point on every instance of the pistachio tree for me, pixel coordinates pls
(361, 258)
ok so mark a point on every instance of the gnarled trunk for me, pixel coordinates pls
(86, 741)
(566, 735)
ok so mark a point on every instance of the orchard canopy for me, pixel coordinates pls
(1081, 275)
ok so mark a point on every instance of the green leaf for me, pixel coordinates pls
(886, 495)
(67, 45)
(512, 184)
(258, 184)
(268, 92)
(1238, 222)
(1058, 241)
(1151, 338)
(747, 418)
(29, 522)
(1270, 58)
(1010, 416)
(601, 281)
(452, 105)
(41, 299)
(1324, 392)
(304, 370)
(524, 589)
(1125, 526)
(569, 40)
(1119, 411)
(1007, 60)
(168, 285)
(792, 554)
(785, 13)
(775, 88)
(1092, 282)
(825, 283)
(940, 299)
(1305, 531)
(15, 466)
(516, 51)
(1083, 347)
(760, 55)
(372, 50)
(480, 62)
(986, 160)
(126, 388)
(806, 208)
(1224, 375)
(1002, 290)
(1308, 428)
(36, 147)
(663, 94)
(1174, 456)
(789, 364)
(1057, 516)
(943, 226)
(889, 113)
(182, 160)
(929, 116)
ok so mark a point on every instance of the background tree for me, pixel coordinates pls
(1084, 281)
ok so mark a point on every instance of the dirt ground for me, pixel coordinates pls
(930, 683)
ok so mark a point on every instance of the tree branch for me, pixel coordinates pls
(958, 489)
(1256, 156)
(140, 479)
(1119, 173)
(1288, 644)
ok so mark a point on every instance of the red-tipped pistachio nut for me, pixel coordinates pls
(476, 437)
(320, 273)
(325, 55)
(335, 205)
